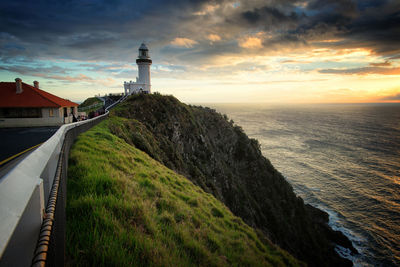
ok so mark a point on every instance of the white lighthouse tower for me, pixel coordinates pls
(143, 83)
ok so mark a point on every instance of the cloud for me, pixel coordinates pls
(381, 64)
(108, 82)
(270, 17)
(111, 31)
(183, 42)
(59, 74)
(207, 9)
(104, 30)
(392, 97)
(77, 78)
(251, 42)
(27, 70)
(363, 71)
(214, 37)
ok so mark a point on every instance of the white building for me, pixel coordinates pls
(143, 83)
(23, 105)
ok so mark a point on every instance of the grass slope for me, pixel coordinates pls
(90, 101)
(126, 209)
(217, 155)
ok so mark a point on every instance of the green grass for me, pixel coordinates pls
(126, 209)
(88, 102)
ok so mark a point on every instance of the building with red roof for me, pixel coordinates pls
(23, 105)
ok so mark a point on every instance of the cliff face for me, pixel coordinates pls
(218, 156)
(126, 209)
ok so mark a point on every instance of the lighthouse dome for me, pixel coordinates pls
(143, 52)
(143, 47)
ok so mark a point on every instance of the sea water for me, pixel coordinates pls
(343, 159)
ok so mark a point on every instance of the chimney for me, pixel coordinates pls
(36, 84)
(18, 83)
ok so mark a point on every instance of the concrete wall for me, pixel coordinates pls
(24, 194)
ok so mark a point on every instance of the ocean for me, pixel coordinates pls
(341, 158)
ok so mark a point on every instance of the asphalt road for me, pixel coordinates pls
(15, 140)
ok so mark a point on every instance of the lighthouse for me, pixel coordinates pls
(143, 82)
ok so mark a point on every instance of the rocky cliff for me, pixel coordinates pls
(216, 154)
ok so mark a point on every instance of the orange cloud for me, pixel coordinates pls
(208, 9)
(251, 42)
(78, 78)
(214, 37)
(183, 42)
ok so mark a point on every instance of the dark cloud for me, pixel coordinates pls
(363, 71)
(367, 24)
(381, 64)
(112, 30)
(269, 17)
(378, 29)
(25, 70)
(375, 25)
(88, 29)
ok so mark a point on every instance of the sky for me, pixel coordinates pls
(269, 51)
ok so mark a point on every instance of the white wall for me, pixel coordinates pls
(46, 120)
(69, 118)
(144, 75)
(134, 88)
(30, 122)
(46, 112)
(24, 193)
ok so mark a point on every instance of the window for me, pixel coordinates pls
(51, 112)
(20, 113)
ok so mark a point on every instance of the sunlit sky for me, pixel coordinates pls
(279, 51)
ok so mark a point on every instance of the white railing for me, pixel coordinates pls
(24, 192)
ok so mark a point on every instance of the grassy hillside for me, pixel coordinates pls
(126, 209)
(90, 101)
(215, 154)
(90, 104)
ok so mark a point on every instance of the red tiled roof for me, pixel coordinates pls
(30, 97)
